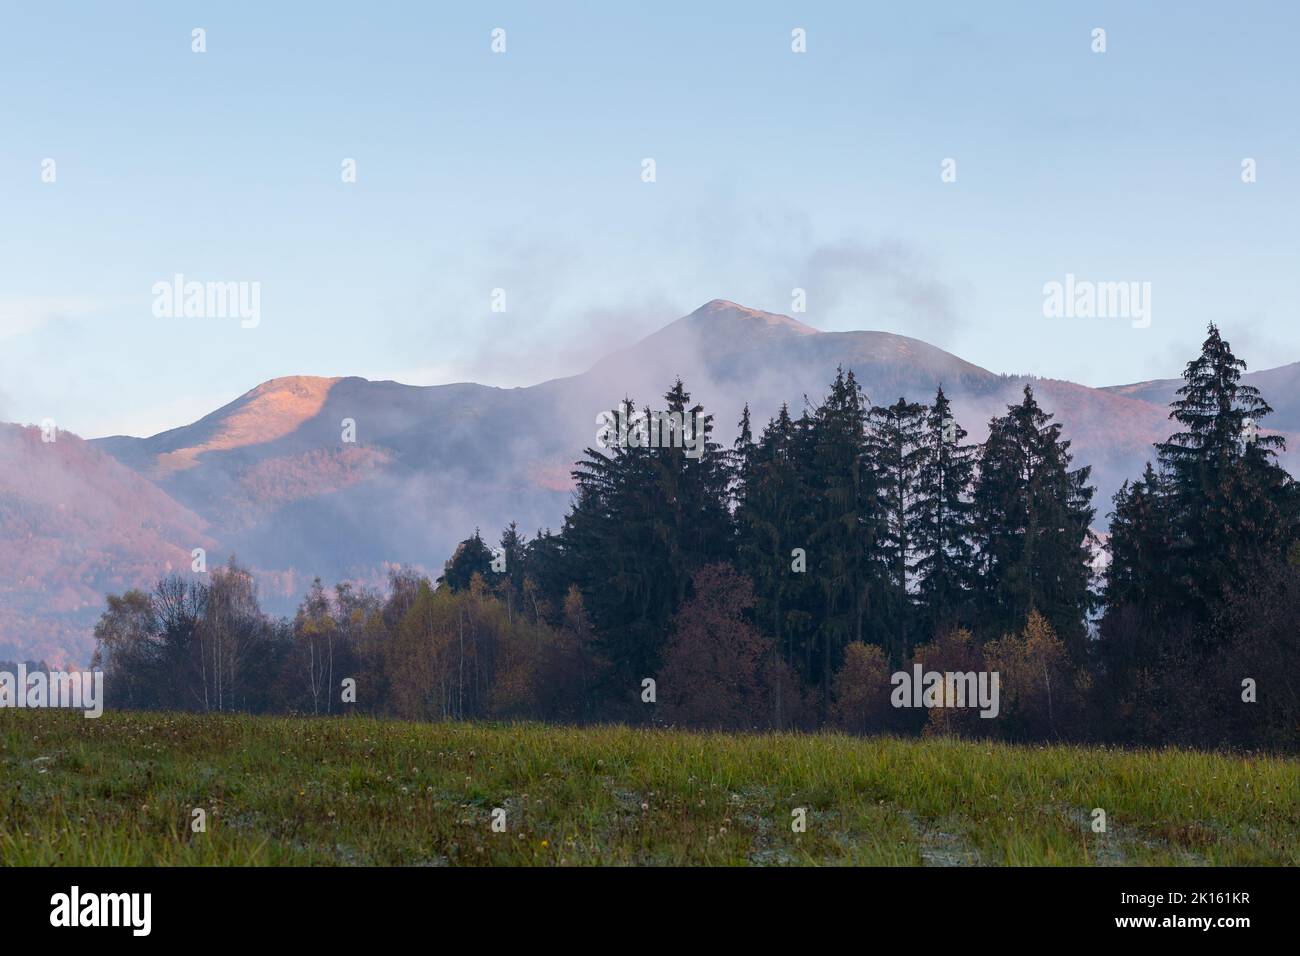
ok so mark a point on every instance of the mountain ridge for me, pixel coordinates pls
(270, 477)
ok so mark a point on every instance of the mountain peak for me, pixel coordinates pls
(725, 309)
(720, 305)
(301, 386)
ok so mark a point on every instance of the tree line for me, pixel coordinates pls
(779, 583)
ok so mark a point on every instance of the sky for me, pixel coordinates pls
(522, 171)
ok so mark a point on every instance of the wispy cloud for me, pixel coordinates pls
(25, 315)
(888, 284)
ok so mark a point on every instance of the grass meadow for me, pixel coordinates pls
(122, 790)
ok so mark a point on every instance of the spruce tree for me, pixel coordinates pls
(646, 516)
(1032, 527)
(1141, 545)
(1190, 539)
(1232, 505)
(896, 450)
(945, 553)
(472, 556)
(772, 520)
(1143, 601)
(613, 554)
(510, 581)
(845, 525)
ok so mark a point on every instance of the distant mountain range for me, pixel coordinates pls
(269, 477)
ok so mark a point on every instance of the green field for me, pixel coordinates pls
(121, 790)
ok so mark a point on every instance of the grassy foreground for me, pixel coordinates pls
(121, 790)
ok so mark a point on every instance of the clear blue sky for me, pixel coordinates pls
(522, 171)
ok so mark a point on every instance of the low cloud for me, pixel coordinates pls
(569, 303)
(24, 315)
(887, 284)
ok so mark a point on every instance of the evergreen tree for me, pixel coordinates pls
(1217, 519)
(696, 478)
(805, 603)
(1232, 505)
(1141, 545)
(472, 556)
(845, 528)
(772, 520)
(546, 577)
(648, 511)
(513, 546)
(510, 558)
(1032, 527)
(1141, 595)
(945, 553)
(740, 460)
(896, 450)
